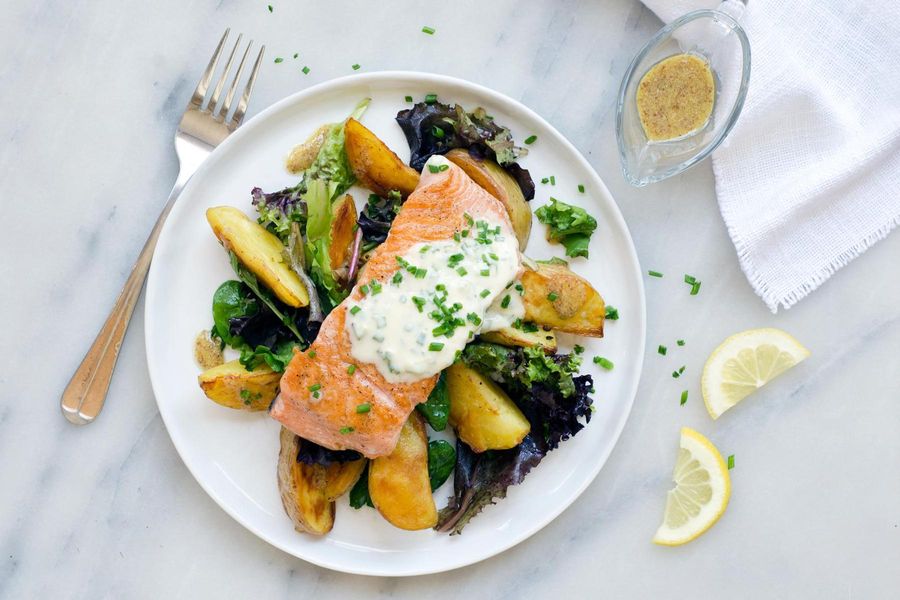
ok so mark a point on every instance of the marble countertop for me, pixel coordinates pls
(91, 94)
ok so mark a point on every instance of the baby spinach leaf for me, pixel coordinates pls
(359, 494)
(441, 460)
(436, 409)
(232, 300)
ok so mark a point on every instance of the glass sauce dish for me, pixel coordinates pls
(714, 36)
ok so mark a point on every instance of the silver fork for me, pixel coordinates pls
(201, 129)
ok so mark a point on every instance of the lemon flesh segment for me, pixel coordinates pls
(745, 362)
(701, 492)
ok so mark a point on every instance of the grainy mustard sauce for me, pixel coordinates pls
(675, 97)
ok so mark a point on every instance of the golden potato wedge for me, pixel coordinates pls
(302, 488)
(340, 477)
(510, 336)
(233, 386)
(343, 230)
(556, 297)
(499, 184)
(482, 414)
(398, 483)
(376, 167)
(259, 251)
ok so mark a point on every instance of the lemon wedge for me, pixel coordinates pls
(701, 492)
(745, 362)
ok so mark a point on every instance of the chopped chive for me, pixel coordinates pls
(351, 369)
(312, 354)
(456, 237)
(552, 180)
(355, 67)
(654, 274)
(580, 188)
(684, 396)
(531, 139)
(305, 70)
(435, 346)
(278, 60)
(604, 362)
(545, 180)
(678, 372)
(462, 271)
(520, 288)
(612, 313)
(730, 461)
(354, 310)
(363, 408)
(364, 289)
(430, 98)
(690, 279)
(578, 349)
(315, 387)
(485, 272)
(662, 349)
(485, 293)
(469, 219)
(695, 288)
(346, 430)
(271, 9)
(397, 278)
(420, 273)
(296, 54)
(419, 302)
(475, 319)
(552, 296)
(437, 132)
(428, 30)
(505, 302)
(680, 342)
(408, 98)
(424, 249)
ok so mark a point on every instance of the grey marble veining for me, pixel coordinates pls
(91, 92)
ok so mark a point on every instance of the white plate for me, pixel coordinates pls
(232, 454)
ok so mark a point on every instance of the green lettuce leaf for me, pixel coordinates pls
(569, 225)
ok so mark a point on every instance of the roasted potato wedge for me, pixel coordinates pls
(376, 167)
(499, 184)
(233, 386)
(259, 251)
(340, 477)
(482, 414)
(343, 230)
(303, 489)
(556, 297)
(398, 483)
(510, 336)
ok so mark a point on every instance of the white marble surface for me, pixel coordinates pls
(91, 93)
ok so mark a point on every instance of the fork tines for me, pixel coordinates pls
(210, 102)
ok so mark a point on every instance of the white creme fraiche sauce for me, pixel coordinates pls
(412, 325)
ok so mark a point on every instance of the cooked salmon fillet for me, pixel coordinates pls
(433, 212)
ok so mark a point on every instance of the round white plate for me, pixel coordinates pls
(232, 454)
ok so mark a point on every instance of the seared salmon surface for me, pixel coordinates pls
(320, 391)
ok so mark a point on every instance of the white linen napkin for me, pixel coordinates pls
(810, 176)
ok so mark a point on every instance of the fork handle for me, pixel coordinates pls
(83, 398)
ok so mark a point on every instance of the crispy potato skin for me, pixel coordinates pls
(498, 183)
(482, 414)
(376, 167)
(303, 489)
(340, 477)
(510, 336)
(399, 484)
(578, 308)
(343, 222)
(223, 385)
(259, 251)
